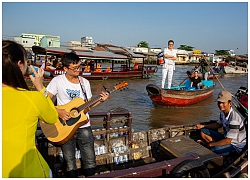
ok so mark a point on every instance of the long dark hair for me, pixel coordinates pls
(13, 52)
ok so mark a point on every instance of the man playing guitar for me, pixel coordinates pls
(67, 87)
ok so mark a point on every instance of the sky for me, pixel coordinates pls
(207, 26)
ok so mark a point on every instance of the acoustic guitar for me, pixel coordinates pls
(60, 132)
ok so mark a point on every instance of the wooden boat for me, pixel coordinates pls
(211, 74)
(181, 95)
(242, 101)
(121, 72)
(231, 69)
(93, 70)
(171, 151)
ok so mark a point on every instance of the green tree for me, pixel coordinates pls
(221, 52)
(185, 47)
(142, 44)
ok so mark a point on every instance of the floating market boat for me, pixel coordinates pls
(181, 95)
(171, 151)
(93, 70)
(242, 101)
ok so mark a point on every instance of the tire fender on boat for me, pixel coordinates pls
(156, 69)
(153, 90)
(190, 165)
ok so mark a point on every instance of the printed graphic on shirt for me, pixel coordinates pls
(73, 93)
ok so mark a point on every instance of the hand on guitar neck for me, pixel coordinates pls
(65, 115)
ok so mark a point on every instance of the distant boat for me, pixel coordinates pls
(231, 69)
(181, 95)
(242, 97)
(95, 71)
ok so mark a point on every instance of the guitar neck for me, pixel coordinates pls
(88, 104)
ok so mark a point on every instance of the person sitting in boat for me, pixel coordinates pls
(195, 81)
(234, 138)
(189, 74)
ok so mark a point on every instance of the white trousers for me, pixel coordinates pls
(205, 75)
(168, 71)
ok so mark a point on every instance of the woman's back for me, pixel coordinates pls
(20, 112)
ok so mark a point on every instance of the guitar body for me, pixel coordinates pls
(61, 131)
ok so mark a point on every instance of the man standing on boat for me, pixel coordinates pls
(169, 64)
(204, 67)
(67, 87)
(234, 137)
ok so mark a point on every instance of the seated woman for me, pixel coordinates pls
(195, 81)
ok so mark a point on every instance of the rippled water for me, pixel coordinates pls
(146, 115)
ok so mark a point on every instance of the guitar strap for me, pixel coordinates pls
(82, 86)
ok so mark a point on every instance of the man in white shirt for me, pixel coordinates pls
(169, 64)
(66, 87)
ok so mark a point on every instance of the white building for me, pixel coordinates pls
(30, 39)
(87, 41)
(74, 43)
(26, 42)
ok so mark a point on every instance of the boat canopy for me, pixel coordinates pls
(90, 54)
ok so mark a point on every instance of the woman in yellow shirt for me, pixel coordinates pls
(21, 109)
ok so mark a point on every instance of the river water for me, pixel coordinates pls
(146, 115)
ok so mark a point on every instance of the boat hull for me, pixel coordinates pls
(168, 97)
(103, 75)
(235, 70)
(149, 153)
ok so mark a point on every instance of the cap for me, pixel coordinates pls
(224, 96)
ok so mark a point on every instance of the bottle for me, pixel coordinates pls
(98, 136)
(97, 150)
(125, 158)
(125, 131)
(116, 132)
(93, 134)
(120, 130)
(103, 136)
(111, 133)
(30, 72)
(116, 160)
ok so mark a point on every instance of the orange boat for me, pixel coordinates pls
(181, 95)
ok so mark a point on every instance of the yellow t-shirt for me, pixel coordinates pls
(21, 110)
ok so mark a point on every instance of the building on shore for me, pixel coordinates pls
(32, 39)
(50, 41)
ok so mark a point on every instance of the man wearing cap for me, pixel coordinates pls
(234, 137)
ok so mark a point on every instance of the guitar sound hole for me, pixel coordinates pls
(74, 113)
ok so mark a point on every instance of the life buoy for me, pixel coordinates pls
(136, 66)
(98, 68)
(190, 167)
(86, 69)
(108, 69)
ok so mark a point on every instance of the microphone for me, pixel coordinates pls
(29, 72)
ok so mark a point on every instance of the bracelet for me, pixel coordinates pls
(44, 92)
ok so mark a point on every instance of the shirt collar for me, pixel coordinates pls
(229, 113)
